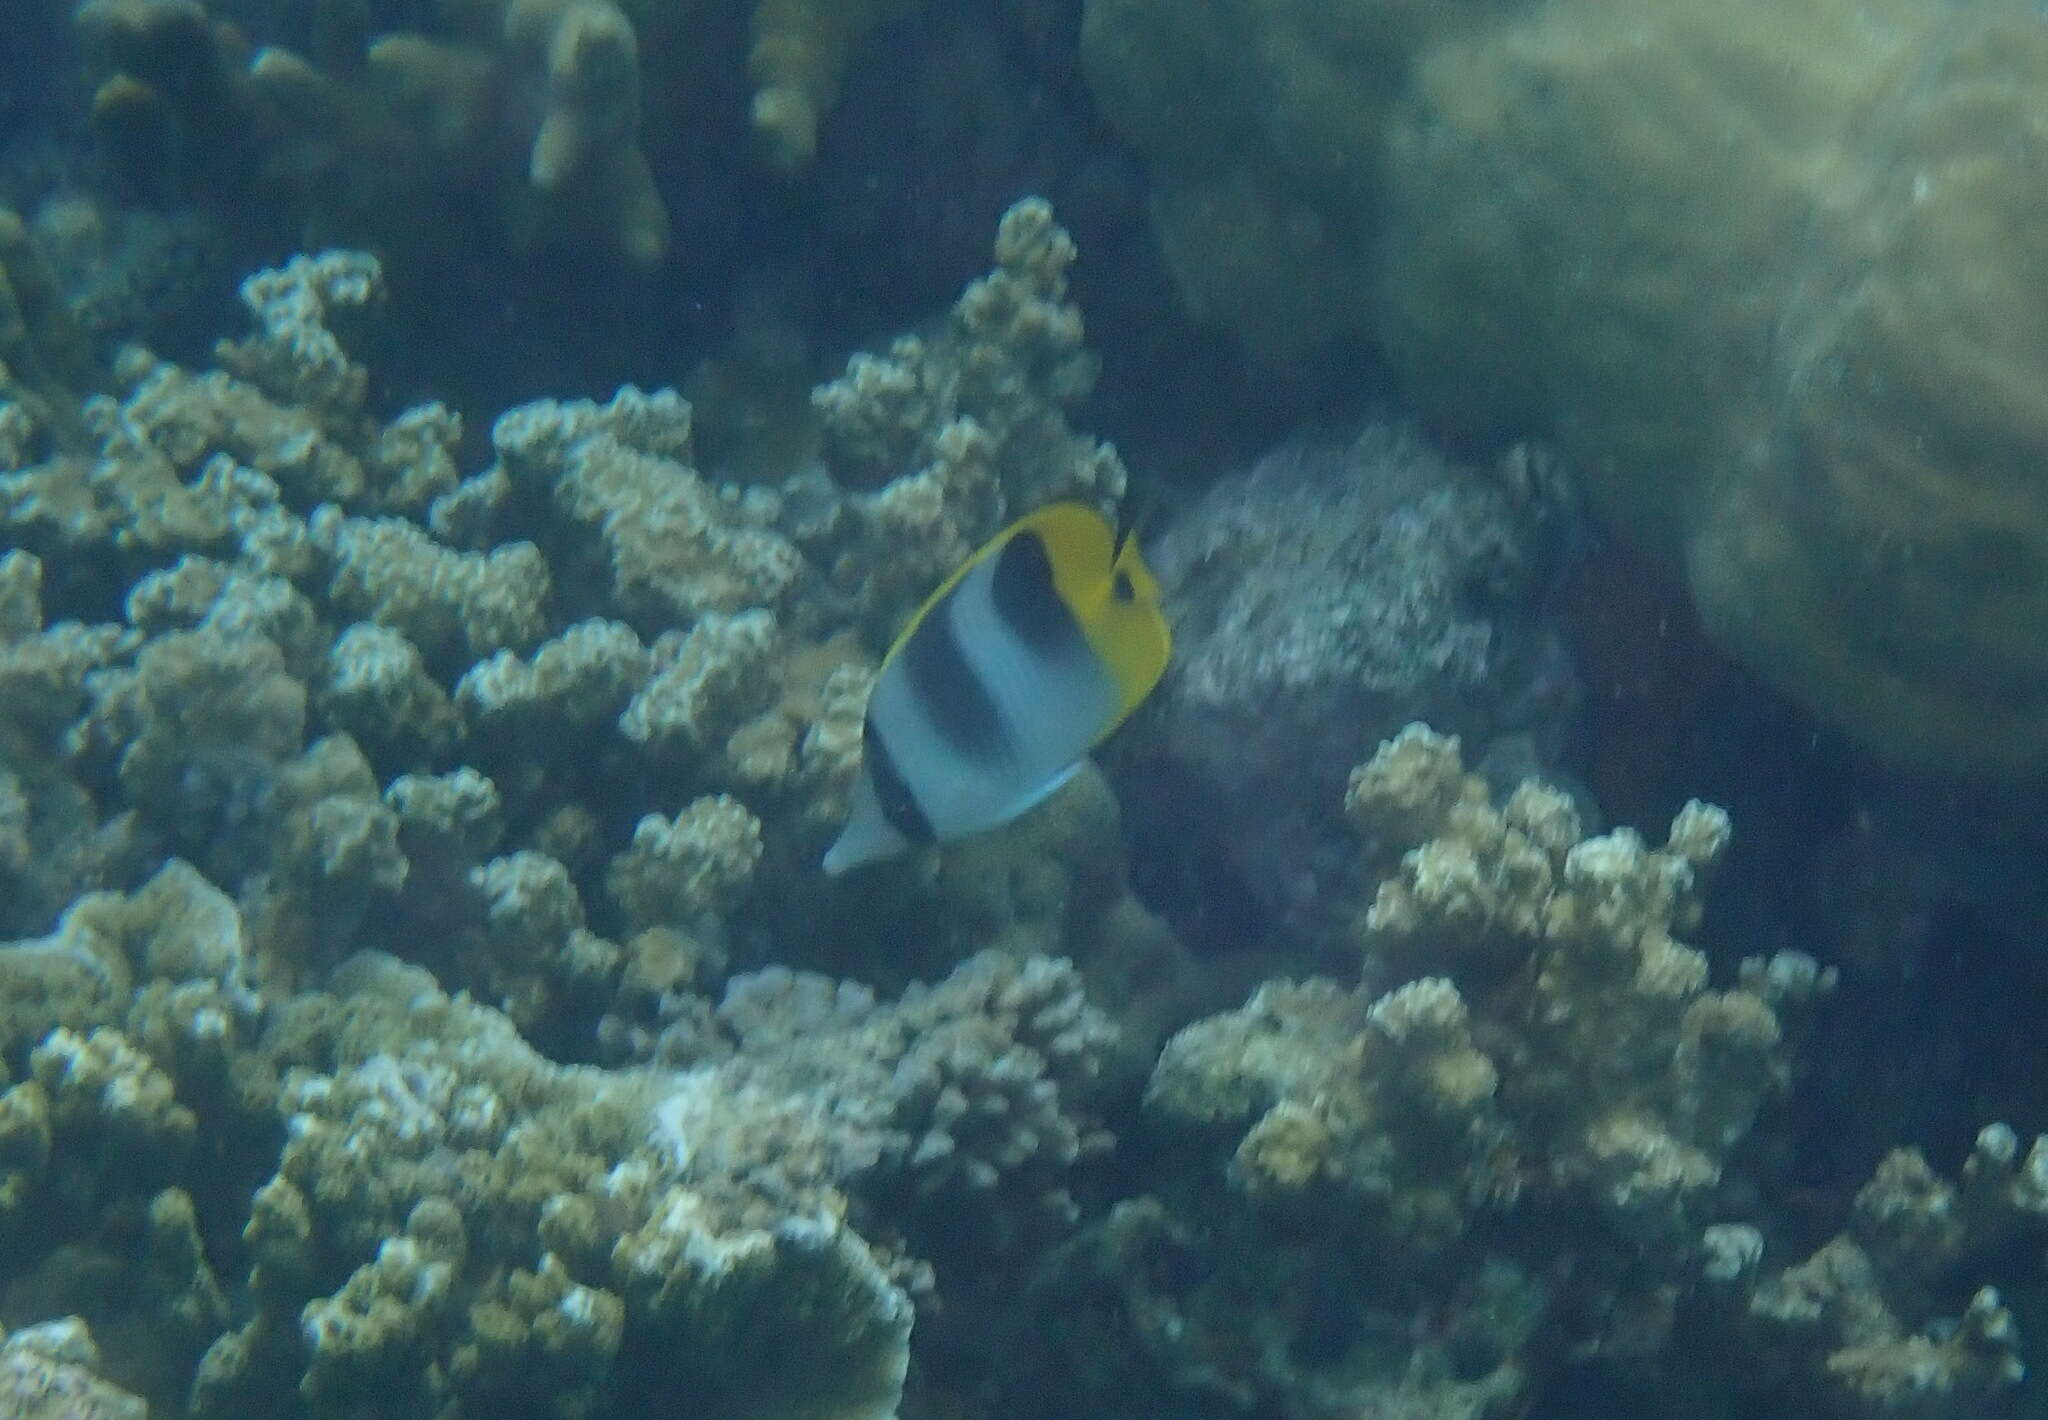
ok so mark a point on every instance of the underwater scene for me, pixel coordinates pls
(1023, 709)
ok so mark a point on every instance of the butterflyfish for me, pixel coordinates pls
(993, 694)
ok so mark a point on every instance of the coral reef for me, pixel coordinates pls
(1640, 1077)
(972, 1094)
(957, 434)
(53, 839)
(698, 864)
(308, 758)
(454, 1219)
(421, 998)
(259, 508)
(205, 463)
(676, 547)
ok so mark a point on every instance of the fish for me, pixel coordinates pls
(1023, 661)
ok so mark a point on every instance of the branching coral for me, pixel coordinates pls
(800, 47)
(677, 548)
(972, 1099)
(455, 1220)
(1593, 1076)
(582, 776)
(409, 122)
(1637, 1076)
(543, 111)
(961, 432)
(1859, 1320)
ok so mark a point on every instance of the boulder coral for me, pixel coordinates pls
(1776, 278)
(1771, 277)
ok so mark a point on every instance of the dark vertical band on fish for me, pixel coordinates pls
(892, 791)
(1028, 601)
(958, 705)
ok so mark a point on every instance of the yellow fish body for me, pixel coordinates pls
(1021, 662)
